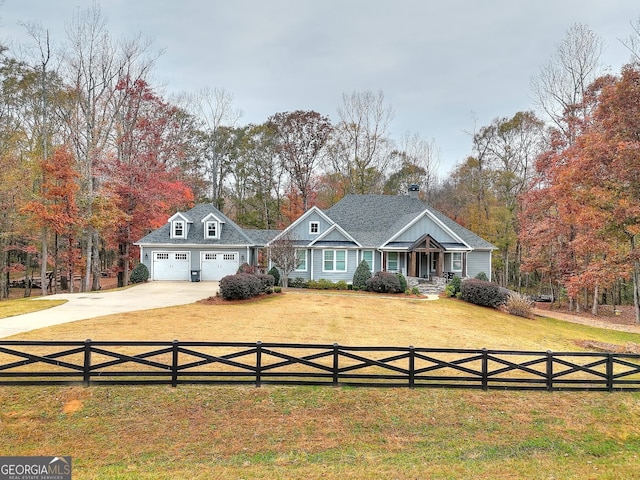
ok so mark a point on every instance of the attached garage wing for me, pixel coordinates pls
(215, 265)
(171, 266)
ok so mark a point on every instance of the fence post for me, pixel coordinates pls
(258, 363)
(549, 370)
(86, 368)
(336, 358)
(485, 369)
(174, 364)
(610, 372)
(412, 367)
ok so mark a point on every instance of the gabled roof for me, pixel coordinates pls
(376, 220)
(231, 233)
(304, 216)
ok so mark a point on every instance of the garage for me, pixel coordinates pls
(215, 265)
(171, 266)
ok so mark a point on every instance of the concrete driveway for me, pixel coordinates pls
(81, 306)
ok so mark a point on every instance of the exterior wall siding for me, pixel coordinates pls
(479, 262)
(301, 231)
(425, 225)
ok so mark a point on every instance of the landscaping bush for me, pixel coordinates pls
(266, 280)
(298, 282)
(455, 284)
(322, 284)
(361, 275)
(240, 286)
(520, 305)
(482, 276)
(483, 293)
(275, 273)
(246, 268)
(384, 282)
(403, 282)
(139, 274)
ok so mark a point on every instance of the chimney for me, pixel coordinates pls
(414, 191)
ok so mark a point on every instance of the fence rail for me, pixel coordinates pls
(178, 363)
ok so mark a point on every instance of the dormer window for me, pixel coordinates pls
(211, 229)
(212, 226)
(314, 228)
(178, 229)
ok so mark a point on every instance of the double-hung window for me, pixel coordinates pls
(456, 262)
(335, 261)
(211, 228)
(178, 229)
(367, 256)
(392, 261)
(301, 260)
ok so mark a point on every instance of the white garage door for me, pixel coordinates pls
(216, 265)
(171, 266)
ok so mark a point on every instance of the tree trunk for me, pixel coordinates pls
(636, 280)
(84, 286)
(44, 260)
(594, 308)
(95, 261)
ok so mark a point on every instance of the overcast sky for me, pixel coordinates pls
(444, 66)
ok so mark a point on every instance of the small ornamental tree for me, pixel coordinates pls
(361, 275)
(284, 255)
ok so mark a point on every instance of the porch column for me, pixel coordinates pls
(412, 264)
(440, 268)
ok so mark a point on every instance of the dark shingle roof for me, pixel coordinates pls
(374, 219)
(230, 234)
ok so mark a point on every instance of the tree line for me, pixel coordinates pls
(93, 156)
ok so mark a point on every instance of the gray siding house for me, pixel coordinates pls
(392, 233)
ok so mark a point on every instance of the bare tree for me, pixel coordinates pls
(563, 80)
(416, 162)
(94, 65)
(283, 252)
(632, 42)
(360, 150)
(215, 109)
(301, 137)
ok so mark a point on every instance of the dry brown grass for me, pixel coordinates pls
(347, 319)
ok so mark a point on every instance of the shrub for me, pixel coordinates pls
(298, 282)
(415, 291)
(246, 268)
(482, 293)
(341, 285)
(361, 275)
(384, 282)
(240, 286)
(139, 274)
(322, 284)
(277, 289)
(275, 273)
(482, 276)
(403, 282)
(520, 305)
(456, 283)
(449, 291)
(266, 281)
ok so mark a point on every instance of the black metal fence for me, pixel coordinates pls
(179, 363)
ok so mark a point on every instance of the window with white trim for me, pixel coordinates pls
(211, 229)
(181, 256)
(367, 256)
(314, 228)
(178, 229)
(456, 262)
(392, 261)
(334, 261)
(301, 260)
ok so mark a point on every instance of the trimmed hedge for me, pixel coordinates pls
(139, 274)
(480, 292)
(384, 282)
(240, 286)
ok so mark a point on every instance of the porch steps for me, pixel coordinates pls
(433, 286)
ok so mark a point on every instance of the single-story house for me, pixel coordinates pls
(392, 233)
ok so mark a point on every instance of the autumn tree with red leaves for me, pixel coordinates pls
(140, 178)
